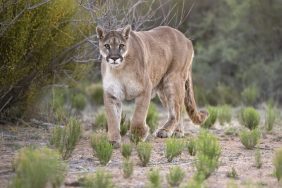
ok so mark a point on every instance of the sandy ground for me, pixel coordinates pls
(82, 162)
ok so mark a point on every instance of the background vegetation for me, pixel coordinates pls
(52, 43)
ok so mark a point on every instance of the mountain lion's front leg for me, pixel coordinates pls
(113, 113)
(138, 123)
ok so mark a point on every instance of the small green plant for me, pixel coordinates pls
(134, 137)
(175, 176)
(232, 174)
(173, 148)
(65, 138)
(78, 101)
(38, 168)
(152, 117)
(208, 153)
(270, 117)
(98, 180)
(124, 125)
(231, 131)
(205, 166)
(211, 119)
(127, 167)
(250, 118)
(126, 150)
(95, 92)
(224, 114)
(191, 146)
(208, 145)
(192, 183)
(102, 147)
(100, 121)
(59, 98)
(250, 95)
(61, 115)
(250, 138)
(154, 179)
(258, 161)
(277, 162)
(144, 152)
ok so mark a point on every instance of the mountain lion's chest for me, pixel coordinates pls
(122, 86)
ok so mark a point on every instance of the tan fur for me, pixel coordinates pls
(158, 60)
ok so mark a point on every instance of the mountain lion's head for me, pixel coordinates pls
(113, 45)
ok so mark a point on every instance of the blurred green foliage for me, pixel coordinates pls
(65, 138)
(38, 168)
(213, 113)
(250, 95)
(78, 101)
(152, 117)
(237, 44)
(95, 92)
(224, 114)
(34, 46)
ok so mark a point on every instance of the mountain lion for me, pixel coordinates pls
(138, 65)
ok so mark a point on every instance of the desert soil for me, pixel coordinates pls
(82, 162)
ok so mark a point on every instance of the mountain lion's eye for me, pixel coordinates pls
(121, 46)
(107, 46)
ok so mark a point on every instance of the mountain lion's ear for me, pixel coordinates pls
(126, 31)
(100, 32)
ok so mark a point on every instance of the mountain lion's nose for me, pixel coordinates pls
(114, 58)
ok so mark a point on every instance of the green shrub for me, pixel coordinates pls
(144, 152)
(103, 149)
(127, 167)
(101, 179)
(154, 179)
(208, 145)
(95, 92)
(134, 137)
(38, 168)
(59, 98)
(224, 114)
(32, 46)
(126, 150)
(231, 131)
(61, 115)
(205, 166)
(220, 94)
(211, 119)
(152, 117)
(173, 148)
(208, 153)
(124, 125)
(250, 118)
(175, 176)
(250, 95)
(277, 162)
(250, 138)
(192, 184)
(78, 101)
(191, 146)
(270, 117)
(233, 174)
(258, 161)
(65, 138)
(100, 121)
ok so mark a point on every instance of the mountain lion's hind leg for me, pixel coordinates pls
(174, 92)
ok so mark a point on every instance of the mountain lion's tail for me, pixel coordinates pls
(198, 117)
